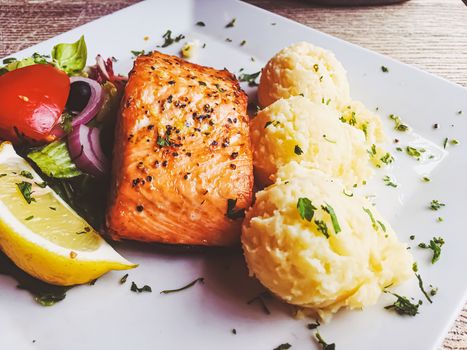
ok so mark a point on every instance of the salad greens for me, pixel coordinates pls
(71, 58)
(54, 160)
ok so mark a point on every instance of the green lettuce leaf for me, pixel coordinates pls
(54, 160)
(12, 63)
(70, 58)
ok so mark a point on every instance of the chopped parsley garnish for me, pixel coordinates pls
(348, 195)
(313, 325)
(231, 212)
(322, 227)
(249, 78)
(231, 23)
(191, 284)
(260, 300)
(2, 175)
(41, 184)
(25, 189)
(65, 122)
(459, 112)
(29, 218)
(26, 174)
(435, 245)
(49, 299)
(284, 346)
(298, 151)
(123, 279)
(274, 123)
(414, 152)
(324, 345)
(445, 143)
(373, 221)
(305, 208)
(384, 69)
(335, 223)
(53, 208)
(426, 179)
(389, 182)
(328, 140)
(436, 204)
(137, 53)
(200, 24)
(162, 142)
(387, 158)
(243, 42)
(234, 331)
(168, 40)
(440, 219)
(136, 289)
(382, 225)
(398, 125)
(403, 306)
(420, 284)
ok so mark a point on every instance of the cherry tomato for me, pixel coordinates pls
(32, 100)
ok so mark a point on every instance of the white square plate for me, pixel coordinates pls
(109, 316)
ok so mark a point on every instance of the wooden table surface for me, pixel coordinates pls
(430, 34)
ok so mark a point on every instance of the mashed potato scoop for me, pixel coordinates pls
(297, 129)
(319, 247)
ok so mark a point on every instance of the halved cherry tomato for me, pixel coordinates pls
(32, 100)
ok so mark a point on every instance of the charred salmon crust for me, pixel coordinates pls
(182, 163)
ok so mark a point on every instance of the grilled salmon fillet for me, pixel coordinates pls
(182, 162)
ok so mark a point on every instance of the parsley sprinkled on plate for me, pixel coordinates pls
(436, 204)
(324, 345)
(200, 24)
(284, 346)
(231, 23)
(403, 306)
(26, 174)
(335, 223)
(123, 279)
(435, 245)
(249, 78)
(322, 227)
(137, 53)
(384, 69)
(398, 125)
(389, 182)
(373, 221)
(136, 289)
(191, 284)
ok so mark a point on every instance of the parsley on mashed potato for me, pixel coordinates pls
(311, 262)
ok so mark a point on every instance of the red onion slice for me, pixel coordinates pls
(92, 108)
(85, 150)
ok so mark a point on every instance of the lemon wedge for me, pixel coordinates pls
(42, 234)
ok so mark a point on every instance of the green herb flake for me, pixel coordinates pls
(420, 285)
(389, 182)
(2, 175)
(123, 279)
(335, 223)
(284, 346)
(414, 152)
(454, 142)
(274, 123)
(305, 208)
(440, 219)
(26, 174)
(136, 289)
(233, 213)
(169, 40)
(328, 140)
(201, 24)
(387, 158)
(426, 179)
(324, 345)
(403, 306)
(242, 43)
(373, 221)
(25, 189)
(384, 69)
(163, 141)
(398, 125)
(382, 225)
(412, 237)
(137, 53)
(435, 245)
(436, 204)
(348, 195)
(322, 227)
(234, 331)
(260, 300)
(249, 78)
(29, 218)
(191, 284)
(231, 23)
(445, 143)
(459, 112)
(297, 150)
